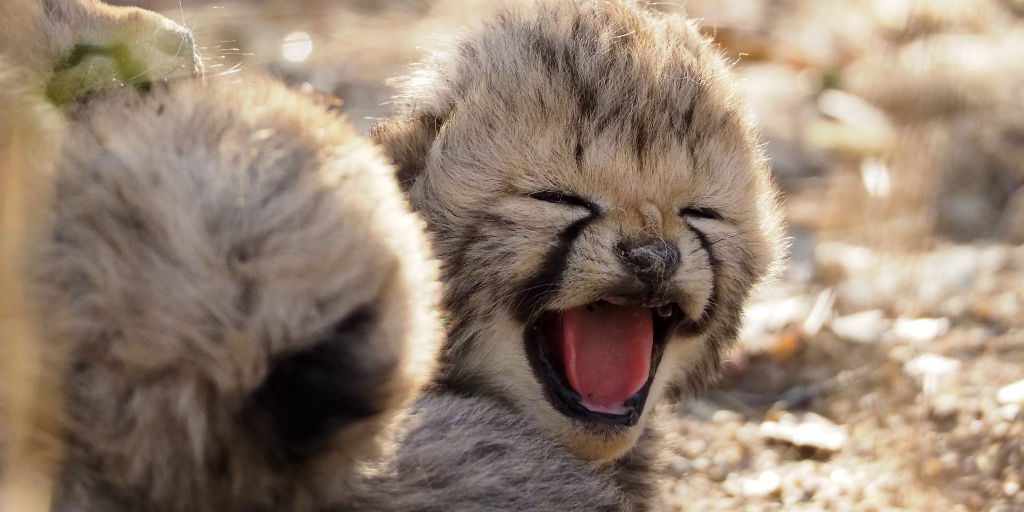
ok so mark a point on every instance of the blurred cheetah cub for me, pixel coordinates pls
(601, 208)
(52, 53)
(243, 298)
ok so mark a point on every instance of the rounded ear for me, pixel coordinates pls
(406, 142)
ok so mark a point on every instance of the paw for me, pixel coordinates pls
(233, 270)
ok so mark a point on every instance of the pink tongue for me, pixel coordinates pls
(606, 350)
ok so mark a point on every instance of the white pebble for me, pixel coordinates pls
(1012, 393)
(864, 327)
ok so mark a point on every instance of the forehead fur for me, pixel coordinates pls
(600, 99)
(622, 74)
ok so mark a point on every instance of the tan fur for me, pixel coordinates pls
(473, 454)
(209, 249)
(228, 265)
(27, 418)
(196, 272)
(244, 304)
(34, 38)
(40, 35)
(629, 110)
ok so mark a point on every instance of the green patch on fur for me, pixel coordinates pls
(93, 68)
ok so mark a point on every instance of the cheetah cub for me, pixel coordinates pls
(601, 207)
(242, 297)
(238, 308)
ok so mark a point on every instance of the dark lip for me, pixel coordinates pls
(560, 394)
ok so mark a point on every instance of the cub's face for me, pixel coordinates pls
(601, 209)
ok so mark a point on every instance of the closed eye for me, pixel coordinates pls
(700, 212)
(549, 196)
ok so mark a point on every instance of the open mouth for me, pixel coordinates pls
(597, 361)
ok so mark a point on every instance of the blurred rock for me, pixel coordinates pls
(764, 484)
(805, 429)
(852, 126)
(820, 313)
(863, 327)
(940, 75)
(1012, 393)
(764, 319)
(933, 370)
(781, 99)
(920, 330)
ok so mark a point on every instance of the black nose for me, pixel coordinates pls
(650, 261)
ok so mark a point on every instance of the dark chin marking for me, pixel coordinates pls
(530, 300)
(702, 324)
(311, 393)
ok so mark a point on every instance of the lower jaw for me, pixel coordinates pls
(605, 443)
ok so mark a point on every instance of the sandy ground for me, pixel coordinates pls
(884, 370)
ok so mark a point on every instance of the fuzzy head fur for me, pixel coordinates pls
(243, 297)
(542, 147)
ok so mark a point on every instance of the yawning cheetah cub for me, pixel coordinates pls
(601, 207)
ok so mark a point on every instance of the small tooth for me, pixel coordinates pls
(665, 311)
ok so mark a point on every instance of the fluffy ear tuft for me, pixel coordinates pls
(407, 142)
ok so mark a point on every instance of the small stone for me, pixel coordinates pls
(786, 344)
(931, 467)
(763, 320)
(945, 406)
(864, 327)
(976, 427)
(933, 370)
(931, 364)
(680, 466)
(764, 484)
(809, 430)
(694, 447)
(1011, 394)
(726, 416)
(820, 312)
(701, 409)
(1009, 412)
(920, 330)
(1000, 430)
(717, 474)
(1011, 488)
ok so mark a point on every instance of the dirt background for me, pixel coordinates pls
(884, 370)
